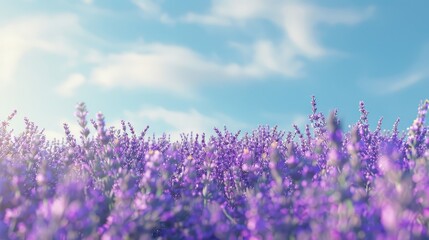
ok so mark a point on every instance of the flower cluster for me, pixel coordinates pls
(320, 182)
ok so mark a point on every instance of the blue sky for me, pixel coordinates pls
(181, 66)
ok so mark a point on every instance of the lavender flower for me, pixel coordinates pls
(319, 183)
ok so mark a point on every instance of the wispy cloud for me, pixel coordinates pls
(50, 34)
(89, 2)
(68, 87)
(297, 20)
(152, 8)
(395, 84)
(179, 69)
(415, 74)
(405, 82)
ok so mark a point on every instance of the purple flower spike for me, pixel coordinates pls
(320, 182)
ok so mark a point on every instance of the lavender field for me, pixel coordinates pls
(321, 182)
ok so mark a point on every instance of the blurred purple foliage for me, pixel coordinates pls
(317, 183)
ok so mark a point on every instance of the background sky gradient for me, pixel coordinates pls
(181, 66)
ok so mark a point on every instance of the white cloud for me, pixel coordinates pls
(151, 8)
(415, 74)
(207, 19)
(89, 2)
(395, 84)
(175, 122)
(93, 56)
(148, 6)
(68, 87)
(179, 69)
(271, 59)
(405, 82)
(49, 34)
(297, 20)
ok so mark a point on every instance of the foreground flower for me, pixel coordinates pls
(314, 183)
